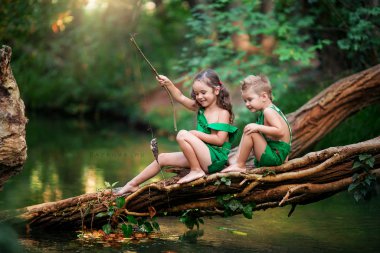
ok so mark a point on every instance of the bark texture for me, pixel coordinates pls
(331, 106)
(310, 178)
(12, 121)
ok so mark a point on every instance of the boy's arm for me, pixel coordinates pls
(176, 93)
(216, 137)
(274, 127)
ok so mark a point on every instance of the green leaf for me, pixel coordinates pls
(237, 232)
(102, 214)
(120, 201)
(247, 211)
(132, 219)
(217, 182)
(156, 225)
(107, 184)
(363, 157)
(356, 165)
(357, 196)
(127, 230)
(353, 186)
(234, 205)
(147, 227)
(107, 228)
(114, 184)
(370, 161)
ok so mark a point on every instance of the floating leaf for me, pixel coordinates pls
(236, 232)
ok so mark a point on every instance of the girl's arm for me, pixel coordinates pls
(177, 94)
(216, 137)
(274, 127)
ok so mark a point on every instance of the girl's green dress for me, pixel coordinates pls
(276, 151)
(219, 154)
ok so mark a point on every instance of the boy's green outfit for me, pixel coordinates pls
(276, 151)
(219, 154)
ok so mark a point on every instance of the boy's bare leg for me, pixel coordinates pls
(175, 159)
(248, 142)
(197, 155)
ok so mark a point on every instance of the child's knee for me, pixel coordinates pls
(163, 158)
(181, 136)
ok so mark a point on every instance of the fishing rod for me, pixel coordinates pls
(157, 75)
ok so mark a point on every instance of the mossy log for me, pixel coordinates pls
(12, 121)
(310, 178)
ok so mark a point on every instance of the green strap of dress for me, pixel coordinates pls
(260, 120)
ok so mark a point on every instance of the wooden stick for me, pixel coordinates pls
(156, 74)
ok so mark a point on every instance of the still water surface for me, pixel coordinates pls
(68, 158)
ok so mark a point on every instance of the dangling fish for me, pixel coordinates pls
(154, 148)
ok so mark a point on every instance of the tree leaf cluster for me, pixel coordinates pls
(363, 186)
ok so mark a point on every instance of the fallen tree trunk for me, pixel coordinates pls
(12, 121)
(331, 106)
(310, 178)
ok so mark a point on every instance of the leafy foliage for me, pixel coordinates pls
(363, 186)
(127, 223)
(232, 205)
(191, 218)
(214, 24)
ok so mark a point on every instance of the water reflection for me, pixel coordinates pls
(66, 159)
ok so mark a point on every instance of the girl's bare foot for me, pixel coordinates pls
(126, 189)
(193, 175)
(234, 168)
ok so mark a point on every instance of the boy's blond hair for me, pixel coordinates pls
(258, 83)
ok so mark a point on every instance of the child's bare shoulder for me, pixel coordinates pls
(224, 115)
(270, 112)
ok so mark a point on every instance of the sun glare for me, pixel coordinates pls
(93, 5)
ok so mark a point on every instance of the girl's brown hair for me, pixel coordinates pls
(212, 79)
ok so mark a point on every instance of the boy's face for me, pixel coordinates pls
(253, 101)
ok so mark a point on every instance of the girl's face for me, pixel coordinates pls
(204, 94)
(253, 101)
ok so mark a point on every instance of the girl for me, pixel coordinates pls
(206, 149)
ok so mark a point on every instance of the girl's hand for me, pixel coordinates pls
(252, 128)
(163, 80)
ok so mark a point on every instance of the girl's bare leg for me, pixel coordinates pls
(248, 142)
(174, 159)
(197, 154)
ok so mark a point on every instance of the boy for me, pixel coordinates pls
(270, 137)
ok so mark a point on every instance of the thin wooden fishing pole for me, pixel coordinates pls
(156, 74)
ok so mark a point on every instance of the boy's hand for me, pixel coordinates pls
(163, 80)
(252, 128)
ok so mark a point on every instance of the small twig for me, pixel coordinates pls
(156, 74)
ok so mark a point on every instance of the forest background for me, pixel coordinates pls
(74, 58)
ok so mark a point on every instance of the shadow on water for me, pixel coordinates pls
(68, 158)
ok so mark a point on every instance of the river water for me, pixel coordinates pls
(68, 158)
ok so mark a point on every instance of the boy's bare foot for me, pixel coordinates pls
(193, 175)
(234, 168)
(126, 189)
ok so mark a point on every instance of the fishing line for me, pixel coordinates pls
(153, 142)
